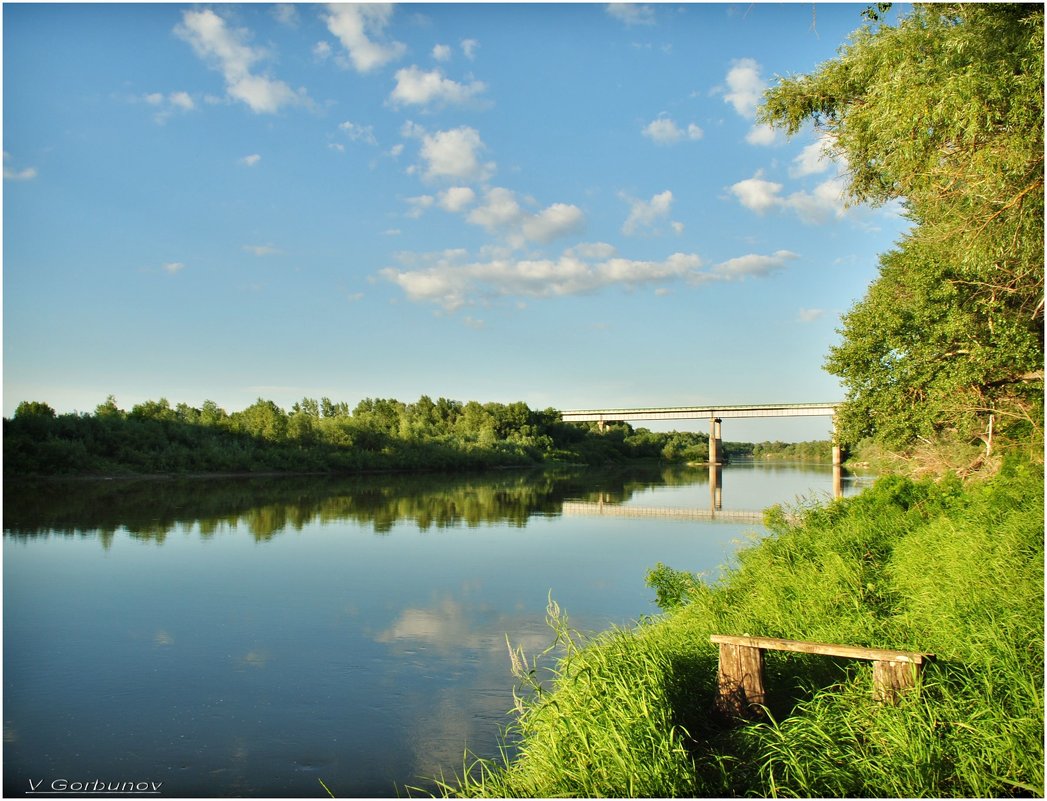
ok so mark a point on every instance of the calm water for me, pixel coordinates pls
(247, 637)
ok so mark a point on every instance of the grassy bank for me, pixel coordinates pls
(941, 567)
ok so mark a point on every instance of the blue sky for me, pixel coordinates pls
(568, 205)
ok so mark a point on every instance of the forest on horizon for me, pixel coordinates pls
(327, 437)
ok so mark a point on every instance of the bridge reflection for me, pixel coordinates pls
(715, 512)
(590, 508)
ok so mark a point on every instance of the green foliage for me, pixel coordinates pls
(936, 567)
(318, 436)
(812, 451)
(945, 112)
(34, 409)
(672, 588)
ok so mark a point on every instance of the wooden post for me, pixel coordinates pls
(741, 682)
(891, 678)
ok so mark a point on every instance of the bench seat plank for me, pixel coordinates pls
(825, 649)
(741, 691)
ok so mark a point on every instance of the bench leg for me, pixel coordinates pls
(892, 678)
(741, 681)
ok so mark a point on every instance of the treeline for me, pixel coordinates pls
(813, 451)
(318, 436)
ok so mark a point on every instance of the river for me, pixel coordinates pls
(256, 636)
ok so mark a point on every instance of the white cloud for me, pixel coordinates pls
(442, 52)
(358, 27)
(412, 130)
(286, 14)
(225, 50)
(11, 174)
(173, 267)
(646, 214)
(811, 161)
(591, 251)
(499, 210)
(745, 86)
(455, 154)
(251, 161)
(456, 198)
(451, 281)
(262, 250)
(322, 51)
(501, 213)
(756, 194)
(559, 219)
(664, 131)
(828, 201)
(753, 265)
(469, 48)
(262, 94)
(631, 13)
(181, 100)
(359, 133)
(810, 315)
(415, 86)
(419, 205)
(169, 104)
(761, 135)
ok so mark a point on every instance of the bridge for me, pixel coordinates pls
(714, 414)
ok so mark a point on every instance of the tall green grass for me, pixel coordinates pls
(937, 567)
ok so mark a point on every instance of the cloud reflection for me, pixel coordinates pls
(462, 643)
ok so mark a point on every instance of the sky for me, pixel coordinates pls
(567, 205)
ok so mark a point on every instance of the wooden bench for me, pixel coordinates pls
(741, 673)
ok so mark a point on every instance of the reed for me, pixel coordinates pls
(948, 568)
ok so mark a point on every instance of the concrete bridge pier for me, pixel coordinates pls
(715, 441)
(839, 451)
(715, 487)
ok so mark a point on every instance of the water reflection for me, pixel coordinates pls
(151, 510)
(292, 629)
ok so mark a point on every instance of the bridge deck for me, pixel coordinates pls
(700, 412)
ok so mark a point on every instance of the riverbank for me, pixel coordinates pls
(947, 568)
(378, 436)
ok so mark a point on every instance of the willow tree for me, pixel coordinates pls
(944, 112)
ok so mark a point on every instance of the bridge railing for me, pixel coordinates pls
(700, 412)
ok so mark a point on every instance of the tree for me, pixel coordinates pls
(308, 406)
(943, 111)
(263, 419)
(34, 409)
(212, 414)
(153, 410)
(109, 408)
